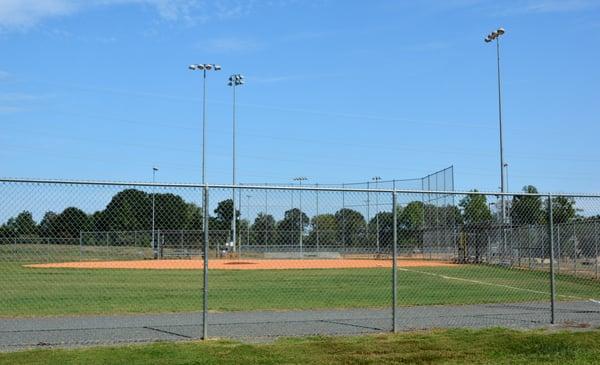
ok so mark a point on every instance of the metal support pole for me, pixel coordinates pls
(575, 248)
(501, 132)
(596, 247)
(301, 224)
(368, 212)
(204, 127)
(343, 217)
(234, 216)
(558, 247)
(205, 281)
(247, 225)
(377, 217)
(552, 279)
(317, 217)
(395, 265)
(240, 201)
(154, 249)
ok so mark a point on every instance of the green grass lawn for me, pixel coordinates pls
(492, 346)
(39, 292)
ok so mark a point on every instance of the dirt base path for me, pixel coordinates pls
(241, 264)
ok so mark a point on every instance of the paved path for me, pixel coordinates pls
(76, 331)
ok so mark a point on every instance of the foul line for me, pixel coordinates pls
(496, 285)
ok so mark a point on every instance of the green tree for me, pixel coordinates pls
(477, 223)
(294, 221)
(193, 217)
(386, 224)
(47, 227)
(351, 226)
(263, 229)
(475, 208)
(25, 225)
(70, 223)
(99, 221)
(410, 222)
(411, 217)
(224, 214)
(527, 209)
(170, 212)
(129, 210)
(563, 209)
(323, 230)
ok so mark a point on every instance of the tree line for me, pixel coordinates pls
(131, 210)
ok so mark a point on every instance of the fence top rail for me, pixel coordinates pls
(286, 187)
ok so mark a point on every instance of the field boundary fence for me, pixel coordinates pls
(456, 246)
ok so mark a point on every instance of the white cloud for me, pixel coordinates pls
(14, 97)
(548, 6)
(23, 14)
(287, 78)
(230, 44)
(9, 109)
(551, 6)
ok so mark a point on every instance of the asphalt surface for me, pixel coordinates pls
(76, 331)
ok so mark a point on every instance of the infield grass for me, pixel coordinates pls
(27, 292)
(491, 346)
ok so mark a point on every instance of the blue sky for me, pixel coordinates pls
(336, 90)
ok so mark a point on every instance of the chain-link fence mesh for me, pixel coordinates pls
(319, 260)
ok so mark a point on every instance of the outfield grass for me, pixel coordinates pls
(492, 346)
(41, 292)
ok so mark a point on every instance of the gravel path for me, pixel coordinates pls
(16, 334)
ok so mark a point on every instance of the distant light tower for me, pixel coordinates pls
(234, 81)
(300, 180)
(154, 246)
(377, 179)
(489, 38)
(204, 67)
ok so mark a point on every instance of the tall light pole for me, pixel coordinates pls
(234, 81)
(495, 36)
(154, 246)
(300, 180)
(204, 67)
(377, 179)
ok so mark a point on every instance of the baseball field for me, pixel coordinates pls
(158, 286)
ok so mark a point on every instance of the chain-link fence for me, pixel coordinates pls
(303, 260)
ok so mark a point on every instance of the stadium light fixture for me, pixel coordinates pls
(234, 81)
(204, 67)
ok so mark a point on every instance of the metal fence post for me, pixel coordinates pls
(395, 265)
(205, 281)
(552, 282)
(558, 247)
(596, 247)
